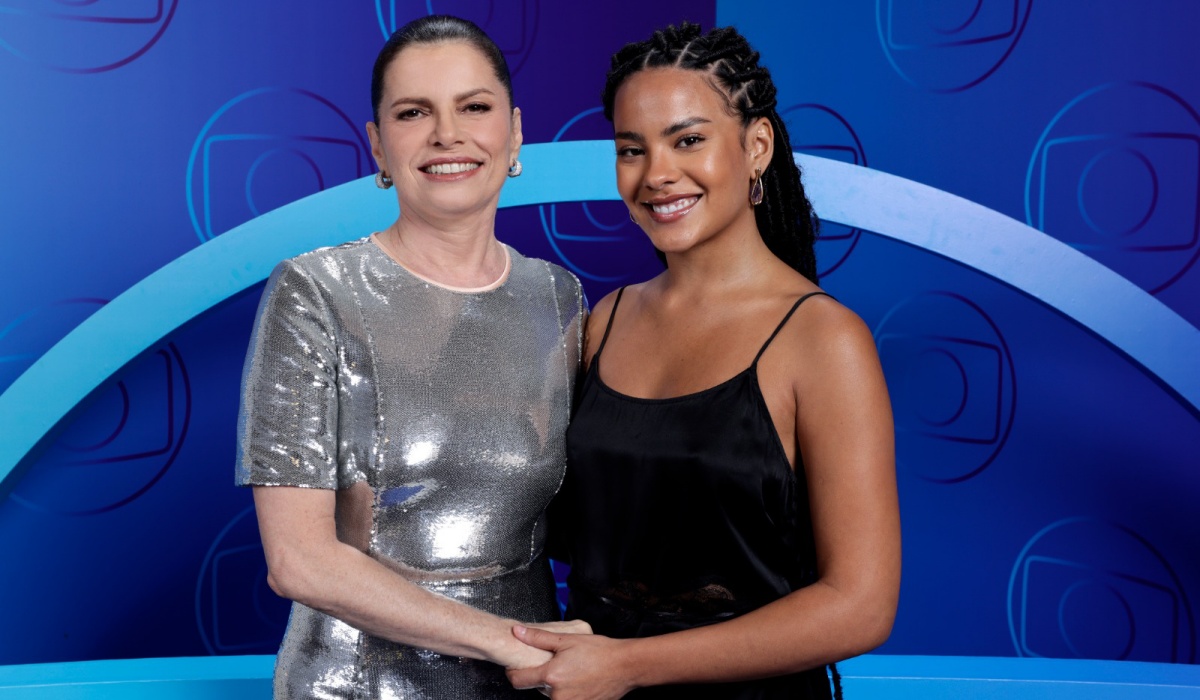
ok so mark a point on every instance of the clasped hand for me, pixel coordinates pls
(583, 667)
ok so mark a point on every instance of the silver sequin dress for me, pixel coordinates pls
(438, 415)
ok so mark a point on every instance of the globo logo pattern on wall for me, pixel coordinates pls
(236, 611)
(265, 148)
(1089, 589)
(1140, 140)
(949, 46)
(950, 375)
(122, 443)
(82, 36)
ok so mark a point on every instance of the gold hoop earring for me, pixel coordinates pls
(756, 188)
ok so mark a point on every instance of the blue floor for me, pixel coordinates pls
(865, 678)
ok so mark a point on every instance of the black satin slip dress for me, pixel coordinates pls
(682, 512)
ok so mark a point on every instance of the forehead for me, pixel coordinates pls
(452, 65)
(667, 95)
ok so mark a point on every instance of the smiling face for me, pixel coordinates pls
(684, 163)
(446, 133)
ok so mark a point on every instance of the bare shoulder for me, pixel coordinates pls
(598, 320)
(824, 336)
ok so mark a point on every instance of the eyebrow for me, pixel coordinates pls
(425, 102)
(669, 131)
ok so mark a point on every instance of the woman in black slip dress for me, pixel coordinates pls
(730, 510)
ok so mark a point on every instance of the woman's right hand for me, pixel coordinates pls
(521, 655)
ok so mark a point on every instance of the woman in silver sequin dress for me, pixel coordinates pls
(404, 405)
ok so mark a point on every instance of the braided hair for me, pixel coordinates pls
(785, 218)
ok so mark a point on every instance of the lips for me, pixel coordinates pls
(671, 208)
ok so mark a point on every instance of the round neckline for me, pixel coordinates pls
(490, 287)
(594, 370)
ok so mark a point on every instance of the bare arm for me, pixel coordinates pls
(843, 427)
(307, 563)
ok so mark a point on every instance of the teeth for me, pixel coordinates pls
(450, 168)
(672, 207)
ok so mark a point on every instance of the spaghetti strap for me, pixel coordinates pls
(777, 328)
(611, 315)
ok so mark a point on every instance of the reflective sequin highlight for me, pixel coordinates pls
(439, 416)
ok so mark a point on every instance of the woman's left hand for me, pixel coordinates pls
(584, 667)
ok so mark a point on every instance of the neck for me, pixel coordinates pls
(458, 253)
(734, 261)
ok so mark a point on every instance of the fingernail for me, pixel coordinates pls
(519, 629)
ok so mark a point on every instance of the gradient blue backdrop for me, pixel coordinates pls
(1046, 482)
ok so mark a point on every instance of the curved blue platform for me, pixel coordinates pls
(864, 678)
(1131, 320)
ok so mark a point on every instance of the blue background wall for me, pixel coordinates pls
(1047, 486)
(1046, 482)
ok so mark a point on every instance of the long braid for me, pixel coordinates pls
(785, 218)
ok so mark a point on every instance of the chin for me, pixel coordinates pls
(674, 244)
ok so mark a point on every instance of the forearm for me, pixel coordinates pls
(358, 590)
(306, 562)
(811, 627)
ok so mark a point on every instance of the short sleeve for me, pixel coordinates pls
(287, 425)
(572, 305)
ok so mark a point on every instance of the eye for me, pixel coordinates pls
(408, 114)
(628, 151)
(690, 140)
(477, 108)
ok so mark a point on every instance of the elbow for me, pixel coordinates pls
(874, 626)
(288, 577)
(877, 632)
(279, 585)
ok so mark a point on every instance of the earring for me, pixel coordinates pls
(382, 181)
(514, 170)
(756, 188)
(631, 217)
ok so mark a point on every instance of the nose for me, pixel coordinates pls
(446, 129)
(661, 168)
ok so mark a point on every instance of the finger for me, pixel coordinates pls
(525, 678)
(538, 638)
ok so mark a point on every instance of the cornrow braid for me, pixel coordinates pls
(785, 218)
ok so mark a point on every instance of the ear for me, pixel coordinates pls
(760, 143)
(376, 146)
(517, 137)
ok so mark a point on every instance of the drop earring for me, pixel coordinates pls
(756, 188)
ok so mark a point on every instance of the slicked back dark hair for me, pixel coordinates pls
(785, 218)
(437, 29)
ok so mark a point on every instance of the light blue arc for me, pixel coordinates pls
(870, 676)
(1110, 306)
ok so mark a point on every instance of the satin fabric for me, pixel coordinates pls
(682, 512)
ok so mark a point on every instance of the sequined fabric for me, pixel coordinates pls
(438, 415)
